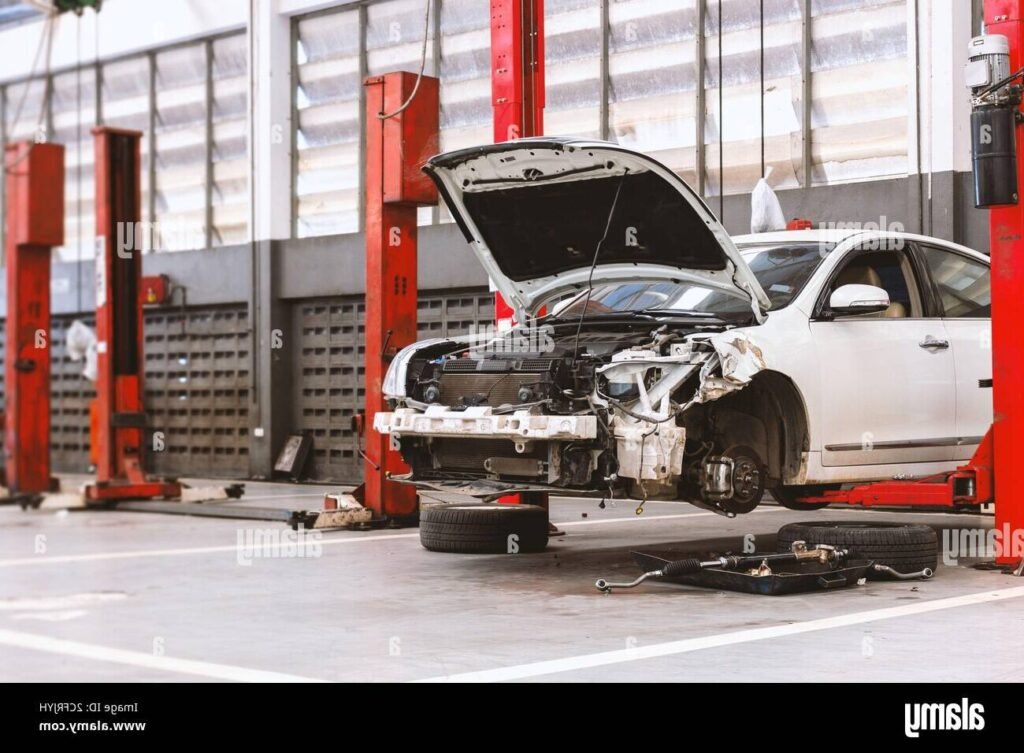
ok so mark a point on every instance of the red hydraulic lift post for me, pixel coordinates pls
(1006, 229)
(517, 81)
(990, 474)
(35, 224)
(120, 359)
(397, 146)
(517, 96)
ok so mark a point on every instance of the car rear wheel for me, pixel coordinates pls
(487, 528)
(905, 548)
(789, 496)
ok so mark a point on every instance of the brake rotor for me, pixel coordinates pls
(748, 480)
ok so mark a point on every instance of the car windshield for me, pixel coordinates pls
(782, 270)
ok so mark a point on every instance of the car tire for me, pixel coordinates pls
(905, 548)
(788, 496)
(484, 528)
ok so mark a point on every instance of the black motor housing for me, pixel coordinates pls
(994, 147)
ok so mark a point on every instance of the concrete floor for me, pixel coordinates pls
(108, 596)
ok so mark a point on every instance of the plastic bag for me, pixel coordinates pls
(765, 210)
(81, 344)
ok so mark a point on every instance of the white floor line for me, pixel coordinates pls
(43, 559)
(140, 659)
(132, 554)
(689, 645)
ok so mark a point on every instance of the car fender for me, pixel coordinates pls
(785, 345)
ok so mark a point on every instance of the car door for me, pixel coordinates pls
(963, 290)
(887, 379)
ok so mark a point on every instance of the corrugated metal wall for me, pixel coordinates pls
(70, 394)
(198, 379)
(197, 392)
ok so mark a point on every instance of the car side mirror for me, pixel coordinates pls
(849, 300)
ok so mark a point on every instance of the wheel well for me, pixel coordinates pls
(768, 415)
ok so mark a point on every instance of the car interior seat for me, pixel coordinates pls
(865, 274)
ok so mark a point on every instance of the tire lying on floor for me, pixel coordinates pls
(906, 548)
(484, 528)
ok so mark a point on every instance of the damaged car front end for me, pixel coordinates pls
(610, 419)
(654, 320)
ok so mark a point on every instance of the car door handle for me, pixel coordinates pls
(931, 343)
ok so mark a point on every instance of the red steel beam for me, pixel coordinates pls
(517, 98)
(517, 81)
(517, 68)
(35, 224)
(396, 149)
(120, 360)
(1007, 249)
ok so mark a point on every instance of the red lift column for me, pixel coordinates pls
(120, 361)
(517, 96)
(396, 149)
(517, 82)
(35, 224)
(1006, 227)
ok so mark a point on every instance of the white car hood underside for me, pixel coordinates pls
(534, 211)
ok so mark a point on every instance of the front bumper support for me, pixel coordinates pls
(483, 423)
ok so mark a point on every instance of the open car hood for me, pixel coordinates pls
(535, 210)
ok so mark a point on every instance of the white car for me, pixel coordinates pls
(657, 356)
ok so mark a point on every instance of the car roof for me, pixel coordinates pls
(811, 235)
(833, 237)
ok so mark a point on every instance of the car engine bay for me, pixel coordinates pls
(617, 409)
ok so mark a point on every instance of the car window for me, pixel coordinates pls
(782, 270)
(886, 269)
(964, 284)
